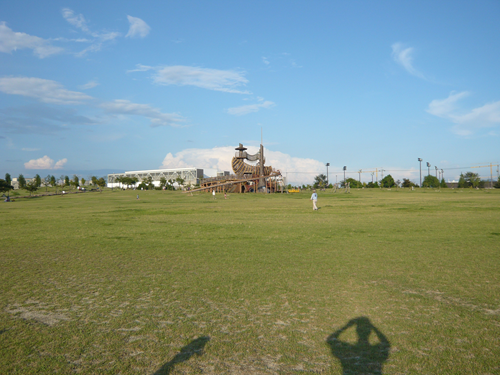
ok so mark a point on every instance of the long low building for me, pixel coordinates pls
(191, 176)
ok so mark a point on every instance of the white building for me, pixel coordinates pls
(191, 176)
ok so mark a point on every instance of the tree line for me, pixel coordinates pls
(467, 180)
(50, 181)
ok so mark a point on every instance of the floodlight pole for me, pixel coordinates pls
(327, 165)
(359, 176)
(344, 174)
(436, 171)
(420, 161)
(428, 168)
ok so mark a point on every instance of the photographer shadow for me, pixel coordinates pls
(194, 347)
(360, 357)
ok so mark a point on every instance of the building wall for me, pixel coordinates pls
(189, 175)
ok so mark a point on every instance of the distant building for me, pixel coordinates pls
(191, 176)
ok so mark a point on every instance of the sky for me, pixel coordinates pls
(97, 87)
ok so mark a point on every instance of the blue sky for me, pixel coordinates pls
(95, 87)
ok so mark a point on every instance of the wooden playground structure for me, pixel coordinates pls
(247, 178)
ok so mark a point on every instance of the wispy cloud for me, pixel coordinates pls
(44, 90)
(89, 85)
(30, 149)
(403, 56)
(12, 41)
(466, 121)
(138, 28)
(52, 92)
(41, 119)
(210, 79)
(45, 163)
(245, 109)
(154, 114)
(80, 22)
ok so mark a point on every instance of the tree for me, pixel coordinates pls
(101, 183)
(430, 181)
(75, 182)
(163, 182)
(372, 185)
(461, 181)
(352, 183)
(497, 184)
(387, 181)
(443, 183)
(319, 181)
(83, 181)
(46, 181)
(52, 181)
(407, 183)
(8, 179)
(22, 181)
(472, 179)
(5, 187)
(32, 186)
(180, 181)
(66, 181)
(94, 180)
(38, 180)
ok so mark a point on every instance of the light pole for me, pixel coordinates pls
(344, 174)
(442, 174)
(327, 165)
(359, 176)
(436, 171)
(372, 176)
(428, 168)
(420, 161)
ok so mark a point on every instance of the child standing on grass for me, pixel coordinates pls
(314, 198)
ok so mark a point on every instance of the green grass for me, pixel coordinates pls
(179, 284)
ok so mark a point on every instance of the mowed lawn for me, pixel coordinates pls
(376, 281)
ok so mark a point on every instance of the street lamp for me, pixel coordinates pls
(344, 174)
(420, 160)
(327, 165)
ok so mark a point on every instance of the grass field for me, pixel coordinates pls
(376, 281)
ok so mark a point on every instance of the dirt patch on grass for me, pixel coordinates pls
(41, 316)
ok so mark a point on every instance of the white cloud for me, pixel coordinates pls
(245, 109)
(157, 118)
(30, 149)
(89, 85)
(12, 41)
(403, 56)
(297, 170)
(466, 121)
(80, 22)
(44, 90)
(211, 79)
(76, 20)
(138, 28)
(45, 163)
(265, 60)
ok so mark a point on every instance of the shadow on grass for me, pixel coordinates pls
(194, 347)
(360, 357)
